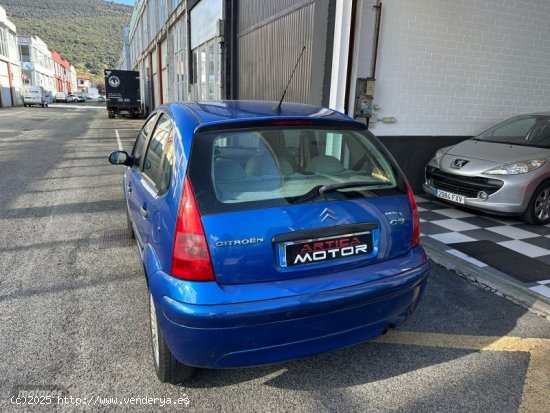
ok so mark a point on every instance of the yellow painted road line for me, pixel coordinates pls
(536, 389)
(481, 343)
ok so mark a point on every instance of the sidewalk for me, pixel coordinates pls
(505, 254)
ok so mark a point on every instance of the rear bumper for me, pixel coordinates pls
(264, 331)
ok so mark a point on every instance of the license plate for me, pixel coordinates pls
(449, 196)
(327, 249)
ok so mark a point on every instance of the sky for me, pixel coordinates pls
(128, 2)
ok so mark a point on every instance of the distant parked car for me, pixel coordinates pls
(267, 234)
(504, 170)
(80, 98)
(61, 97)
(71, 98)
(101, 98)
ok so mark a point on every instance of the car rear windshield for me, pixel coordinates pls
(527, 130)
(242, 169)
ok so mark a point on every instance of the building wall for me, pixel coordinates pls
(205, 40)
(448, 67)
(61, 73)
(72, 80)
(158, 50)
(227, 49)
(10, 72)
(37, 65)
(124, 61)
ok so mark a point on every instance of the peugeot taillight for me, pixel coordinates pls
(190, 255)
(415, 220)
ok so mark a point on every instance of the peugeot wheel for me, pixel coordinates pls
(538, 211)
(168, 369)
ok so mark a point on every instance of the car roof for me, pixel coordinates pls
(212, 112)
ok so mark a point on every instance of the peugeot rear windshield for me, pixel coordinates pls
(242, 169)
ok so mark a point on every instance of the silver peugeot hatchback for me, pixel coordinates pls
(504, 170)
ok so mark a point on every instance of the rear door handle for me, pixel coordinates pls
(144, 212)
(129, 188)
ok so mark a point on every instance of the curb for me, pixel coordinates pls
(488, 278)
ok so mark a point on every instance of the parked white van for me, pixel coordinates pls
(34, 95)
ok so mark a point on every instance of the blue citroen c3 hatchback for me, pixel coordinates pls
(267, 235)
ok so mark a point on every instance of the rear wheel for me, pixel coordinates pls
(538, 211)
(168, 369)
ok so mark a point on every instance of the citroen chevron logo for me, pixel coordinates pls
(327, 213)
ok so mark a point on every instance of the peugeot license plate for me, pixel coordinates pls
(449, 196)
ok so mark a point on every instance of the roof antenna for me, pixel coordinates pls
(277, 109)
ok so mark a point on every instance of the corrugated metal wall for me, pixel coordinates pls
(270, 37)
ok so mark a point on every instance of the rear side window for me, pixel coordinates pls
(244, 169)
(160, 147)
(139, 146)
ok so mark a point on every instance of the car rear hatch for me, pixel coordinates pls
(288, 202)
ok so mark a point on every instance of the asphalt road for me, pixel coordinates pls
(74, 316)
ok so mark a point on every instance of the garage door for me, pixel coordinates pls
(5, 85)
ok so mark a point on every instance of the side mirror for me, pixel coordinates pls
(120, 158)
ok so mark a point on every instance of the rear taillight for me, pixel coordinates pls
(415, 220)
(190, 255)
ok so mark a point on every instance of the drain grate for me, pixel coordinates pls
(116, 238)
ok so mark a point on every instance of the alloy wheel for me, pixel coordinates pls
(542, 205)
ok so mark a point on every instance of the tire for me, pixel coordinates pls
(24, 104)
(168, 369)
(130, 228)
(538, 211)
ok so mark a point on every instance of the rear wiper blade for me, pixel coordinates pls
(323, 189)
(344, 185)
(309, 195)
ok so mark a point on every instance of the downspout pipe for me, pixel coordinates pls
(378, 7)
(342, 22)
(351, 66)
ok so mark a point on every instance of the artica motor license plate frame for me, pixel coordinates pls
(324, 249)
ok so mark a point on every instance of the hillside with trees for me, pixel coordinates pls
(88, 33)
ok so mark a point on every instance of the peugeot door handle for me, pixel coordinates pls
(143, 212)
(129, 187)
